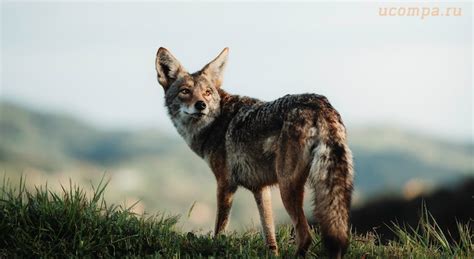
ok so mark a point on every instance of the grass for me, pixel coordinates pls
(40, 223)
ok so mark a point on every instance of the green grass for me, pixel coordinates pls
(40, 223)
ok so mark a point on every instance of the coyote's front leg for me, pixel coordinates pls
(264, 204)
(225, 194)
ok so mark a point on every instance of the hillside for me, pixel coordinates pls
(43, 223)
(161, 172)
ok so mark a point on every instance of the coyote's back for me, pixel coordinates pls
(287, 142)
(294, 140)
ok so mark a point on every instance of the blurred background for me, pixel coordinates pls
(80, 100)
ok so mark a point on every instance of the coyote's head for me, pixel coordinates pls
(192, 99)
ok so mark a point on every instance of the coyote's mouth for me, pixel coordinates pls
(196, 115)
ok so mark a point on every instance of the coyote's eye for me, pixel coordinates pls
(184, 91)
(208, 92)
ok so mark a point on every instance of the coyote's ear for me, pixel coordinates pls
(167, 67)
(214, 70)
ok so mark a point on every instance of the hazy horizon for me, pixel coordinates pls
(95, 61)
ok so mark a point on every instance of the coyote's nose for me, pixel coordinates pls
(200, 105)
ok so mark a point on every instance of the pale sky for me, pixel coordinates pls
(96, 60)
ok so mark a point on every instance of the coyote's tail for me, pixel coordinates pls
(331, 175)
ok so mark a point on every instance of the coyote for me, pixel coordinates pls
(255, 144)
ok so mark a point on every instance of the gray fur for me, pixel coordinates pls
(256, 144)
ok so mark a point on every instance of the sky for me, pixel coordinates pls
(96, 60)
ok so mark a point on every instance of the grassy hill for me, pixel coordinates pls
(161, 172)
(42, 223)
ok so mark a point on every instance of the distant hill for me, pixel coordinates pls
(388, 158)
(59, 139)
(162, 172)
(449, 206)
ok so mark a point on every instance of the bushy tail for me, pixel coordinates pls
(331, 176)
